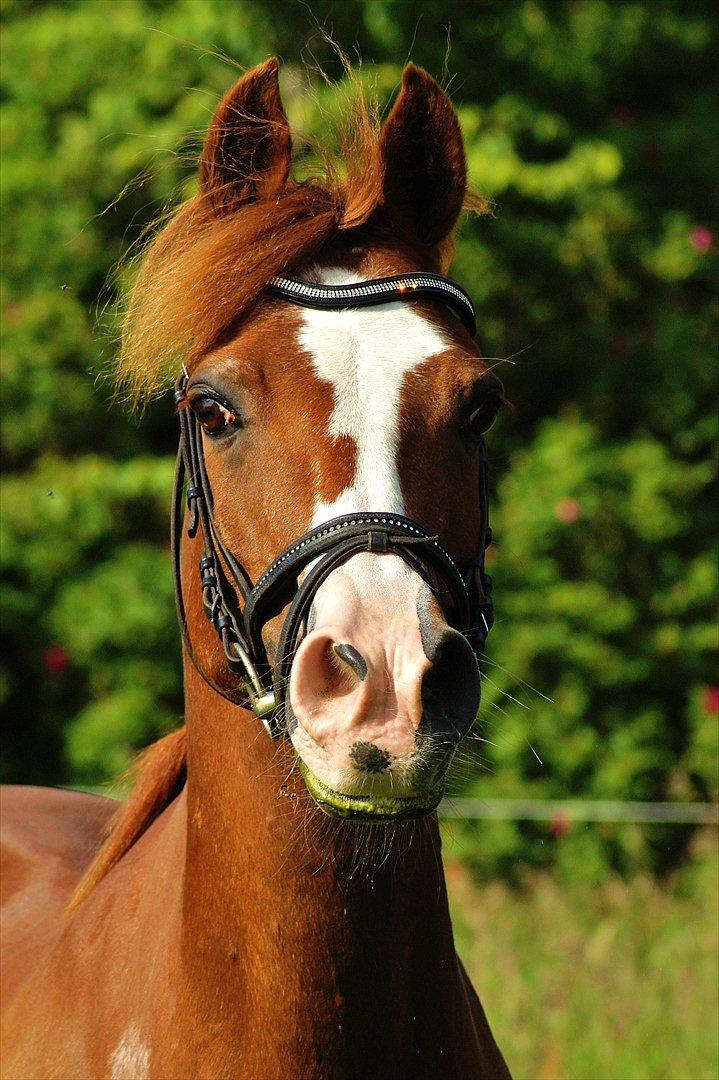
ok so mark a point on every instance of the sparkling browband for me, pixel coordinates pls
(378, 291)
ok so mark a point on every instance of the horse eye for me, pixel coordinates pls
(481, 419)
(214, 418)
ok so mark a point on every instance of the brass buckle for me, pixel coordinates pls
(262, 702)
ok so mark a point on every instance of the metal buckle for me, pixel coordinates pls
(263, 702)
(263, 705)
(377, 541)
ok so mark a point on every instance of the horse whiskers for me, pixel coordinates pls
(501, 691)
(479, 738)
(534, 752)
(488, 660)
(489, 721)
(498, 707)
(288, 655)
(462, 760)
(272, 763)
(507, 359)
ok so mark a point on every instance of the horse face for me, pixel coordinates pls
(309, 414)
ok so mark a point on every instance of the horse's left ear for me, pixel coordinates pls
(248, 149)
(425, 171)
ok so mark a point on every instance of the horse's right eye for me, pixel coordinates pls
(214, 418)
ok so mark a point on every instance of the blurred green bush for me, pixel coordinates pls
(593, 126)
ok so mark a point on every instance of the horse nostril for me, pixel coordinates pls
(450, 688)
(353, 658)
(369, 758)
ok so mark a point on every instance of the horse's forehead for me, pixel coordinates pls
(296, 353)
(367, 353)
(365, 356)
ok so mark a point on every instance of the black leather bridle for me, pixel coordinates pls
(239, 609)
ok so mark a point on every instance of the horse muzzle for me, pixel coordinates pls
(381, 691)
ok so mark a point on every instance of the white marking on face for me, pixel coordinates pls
(366, 354)
(373, 602)
(131, 1058)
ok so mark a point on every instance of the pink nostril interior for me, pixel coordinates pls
(326, 690)
(343, 693)
(324, 673)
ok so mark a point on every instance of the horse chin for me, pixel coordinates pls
(370, 808)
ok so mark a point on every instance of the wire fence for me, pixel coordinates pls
(552, 810)
(568, 810)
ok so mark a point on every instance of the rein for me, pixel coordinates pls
(239, 609)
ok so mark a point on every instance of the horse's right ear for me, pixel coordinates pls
(248, 149)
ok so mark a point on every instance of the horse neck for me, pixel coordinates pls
(280, 910)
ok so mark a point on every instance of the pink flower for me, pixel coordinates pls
(568, 511)
(622, 116)
(701, 238)
(711, 700)
(55, 659)
(560, 825)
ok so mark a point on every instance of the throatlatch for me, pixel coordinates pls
(240, 610)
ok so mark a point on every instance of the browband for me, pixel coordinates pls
(378, 291)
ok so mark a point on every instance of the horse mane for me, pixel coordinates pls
(161, 771)
(203, 271)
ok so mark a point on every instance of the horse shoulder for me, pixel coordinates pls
(94, 987)
(47, 838)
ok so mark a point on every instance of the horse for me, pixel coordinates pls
(269, 902)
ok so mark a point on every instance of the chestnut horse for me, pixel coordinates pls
(218, 923)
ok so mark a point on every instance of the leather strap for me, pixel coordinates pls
(378, 291)
(346, 536)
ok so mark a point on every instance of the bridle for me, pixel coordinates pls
(239, 610)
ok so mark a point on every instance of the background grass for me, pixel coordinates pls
(616, 981)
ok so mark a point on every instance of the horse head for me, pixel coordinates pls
(337, 444)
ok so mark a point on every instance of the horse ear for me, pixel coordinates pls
(248, 149)
(425, 171)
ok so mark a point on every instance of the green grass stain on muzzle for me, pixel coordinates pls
(370, 807)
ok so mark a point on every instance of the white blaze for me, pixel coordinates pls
(366, 353)
(372, 602)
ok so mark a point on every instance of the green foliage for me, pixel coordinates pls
(593, 127)
(92, 659)
(606, 607)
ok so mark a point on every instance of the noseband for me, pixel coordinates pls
(239, 609)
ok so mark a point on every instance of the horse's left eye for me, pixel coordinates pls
(214, 418)
(481, 417)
